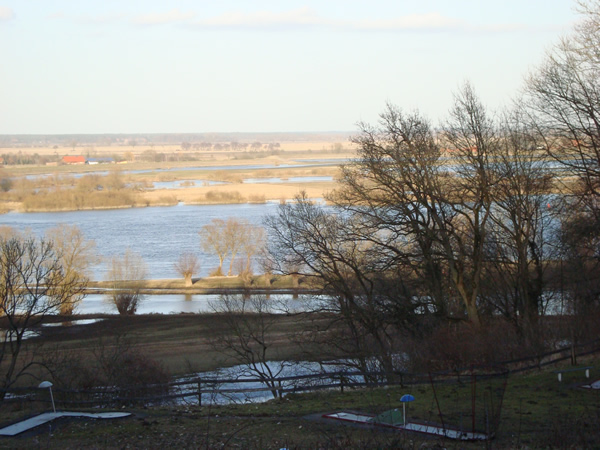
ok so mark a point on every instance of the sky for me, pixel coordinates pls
(196, 66)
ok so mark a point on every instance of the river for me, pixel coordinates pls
(193, 304)
(159, 234)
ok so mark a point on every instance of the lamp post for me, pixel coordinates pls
(47, 384)
(405, 399)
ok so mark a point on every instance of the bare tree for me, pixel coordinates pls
(33, 284)
(229, 238)
(77, 256)
(365, 293)
(252, 243)
(187, 266)
(212, 239)
(522, 236)
(563, 98)
(234, 235)
(429, 217)
(249, 321)
(126, 275)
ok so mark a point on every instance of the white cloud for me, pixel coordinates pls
(306, 18)
(431, 21)
(56, 16)
(86, 20)
(6, 13)
(172, 16)
(99, 20)
(303, 17)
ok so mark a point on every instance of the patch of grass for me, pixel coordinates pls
(538, 412)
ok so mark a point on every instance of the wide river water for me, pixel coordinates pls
(159, 234)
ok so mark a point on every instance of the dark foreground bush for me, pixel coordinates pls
(114, 373)
(460, 345)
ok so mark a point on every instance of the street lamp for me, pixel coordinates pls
(47, 384)
(405, 399)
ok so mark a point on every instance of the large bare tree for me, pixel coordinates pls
(429, 195)
(522, 236)
(77, 255)
(363, 288)
(563, 97)
(564, 100)
(33, 284)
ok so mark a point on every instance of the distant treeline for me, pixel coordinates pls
(67, 140)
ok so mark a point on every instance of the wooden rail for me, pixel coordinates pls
(197, 388)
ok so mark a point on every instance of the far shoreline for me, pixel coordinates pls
(234, 284)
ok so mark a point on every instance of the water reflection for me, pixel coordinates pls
(182, 184)
(196, 303)
(300, 164)
(308, 179)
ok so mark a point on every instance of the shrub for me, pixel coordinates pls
(224, 197)
(451, 346)
(5, 184)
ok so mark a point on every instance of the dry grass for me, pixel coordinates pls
(29, 195)
(240, 193)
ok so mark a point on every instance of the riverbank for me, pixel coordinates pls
(277, 284)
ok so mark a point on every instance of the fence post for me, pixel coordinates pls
(342, 384)
(573, 354)
(279, 392)
(199, 393)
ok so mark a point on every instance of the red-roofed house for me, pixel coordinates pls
(73, 160)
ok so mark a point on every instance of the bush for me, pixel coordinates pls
(6, 184)
(224, 197)
(452, 346)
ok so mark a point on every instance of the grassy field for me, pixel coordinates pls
(180, 342)
(537, 412)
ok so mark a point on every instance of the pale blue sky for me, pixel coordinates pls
(149, 66)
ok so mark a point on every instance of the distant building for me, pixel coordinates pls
(92, 161)
(73, 160)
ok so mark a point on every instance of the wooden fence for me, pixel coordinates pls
(199, 390)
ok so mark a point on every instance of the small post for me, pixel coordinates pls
(47, 384)
(199, 393)
(342, 384)
(405, 399)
